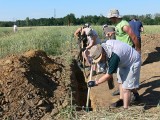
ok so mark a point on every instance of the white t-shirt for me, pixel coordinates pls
(125, 52)
(15, 28)
(98, 41)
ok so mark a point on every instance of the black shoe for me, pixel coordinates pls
(80, 65)
(93, 73)
(119, 103)
(135, 98)
(116, 93)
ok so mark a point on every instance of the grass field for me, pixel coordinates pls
(53, 40)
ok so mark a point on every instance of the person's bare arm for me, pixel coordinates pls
(142, 29)
(109, 34)
(83, 32)
(76, 32)
(129, 31)
(92, 42)
(103, 78)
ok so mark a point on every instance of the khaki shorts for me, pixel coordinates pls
(129, 76)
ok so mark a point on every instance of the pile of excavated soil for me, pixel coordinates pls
(32, 85)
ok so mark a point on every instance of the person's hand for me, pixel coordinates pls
(83, 49)
(91, 83)
(109, 34)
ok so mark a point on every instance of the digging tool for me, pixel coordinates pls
(110, 83)
(89, 88)
(83, 62)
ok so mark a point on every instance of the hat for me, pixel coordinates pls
(105, 25)
(87, 25)
(96, 53)
(114, 13)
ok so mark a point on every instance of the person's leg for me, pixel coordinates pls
(117, 92)
(131, 82)
(126, 98)
(121, 91)
(79, 57)
(86, 57)
(119, 103)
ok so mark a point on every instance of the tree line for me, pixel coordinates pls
(70, 19)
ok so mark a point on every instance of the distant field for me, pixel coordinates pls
(152, 29)
(53, 40)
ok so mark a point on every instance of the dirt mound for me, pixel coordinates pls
(32, 85)
(150, 48)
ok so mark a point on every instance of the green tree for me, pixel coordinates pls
(70, 19)
(27, 21)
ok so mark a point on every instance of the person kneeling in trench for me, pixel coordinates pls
(121, 58)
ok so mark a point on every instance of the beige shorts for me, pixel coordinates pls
(129, 76)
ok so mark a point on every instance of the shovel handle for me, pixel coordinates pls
(89, 88)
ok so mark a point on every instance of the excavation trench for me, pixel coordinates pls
(100, 96)
(79, 87)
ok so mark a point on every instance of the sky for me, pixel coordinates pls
(12, 10)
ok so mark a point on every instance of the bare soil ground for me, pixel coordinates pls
(34, 86)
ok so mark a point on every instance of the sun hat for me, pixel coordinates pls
(114, 13)
(96, 53)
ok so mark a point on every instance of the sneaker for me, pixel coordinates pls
(119, 103)
(116, 93)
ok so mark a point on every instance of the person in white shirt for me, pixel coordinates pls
(15, 28)
(123, 59)
(93, 39)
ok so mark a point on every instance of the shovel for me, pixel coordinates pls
(89, 88)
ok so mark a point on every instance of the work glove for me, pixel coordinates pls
(83, 49)
(91, 83)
